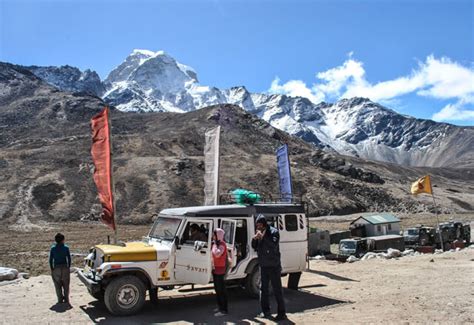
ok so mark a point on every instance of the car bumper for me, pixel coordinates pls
(92, 286)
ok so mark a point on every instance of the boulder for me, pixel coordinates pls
(408, 252)
(7, 274)
(351, 259)
(392, 252)
(369, 256)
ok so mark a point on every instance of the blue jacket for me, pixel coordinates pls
(59, 255)
(268, 248)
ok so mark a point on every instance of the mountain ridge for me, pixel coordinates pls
(158, 161)
(154, 81)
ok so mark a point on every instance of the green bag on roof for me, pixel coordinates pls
(242, 196)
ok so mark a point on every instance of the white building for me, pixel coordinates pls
(377, 224)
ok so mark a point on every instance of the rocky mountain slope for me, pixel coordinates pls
(71, 79)
(46, 169)
(154, 81)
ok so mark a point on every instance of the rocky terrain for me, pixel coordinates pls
(46, 169)
(149, 81)
(71, 79)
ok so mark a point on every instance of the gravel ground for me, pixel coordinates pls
(417, 289)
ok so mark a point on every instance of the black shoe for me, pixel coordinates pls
(265, 315)
(281, 317)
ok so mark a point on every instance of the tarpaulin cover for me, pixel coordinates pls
(242, 196)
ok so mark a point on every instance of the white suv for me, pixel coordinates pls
(171, 255)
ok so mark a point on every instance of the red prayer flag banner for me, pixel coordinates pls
(101, 156)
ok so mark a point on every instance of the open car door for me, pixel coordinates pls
(229, 227)
(193, 258)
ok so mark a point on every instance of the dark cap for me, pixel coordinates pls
(261, 219)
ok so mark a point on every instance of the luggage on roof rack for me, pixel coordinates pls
(247, 197)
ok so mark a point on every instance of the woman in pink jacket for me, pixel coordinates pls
(219, 258)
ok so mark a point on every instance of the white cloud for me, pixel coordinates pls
(446, 79)
(435, 78)
(454, 112)
(350, 74)
(295, 88)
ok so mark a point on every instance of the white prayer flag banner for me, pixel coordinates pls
(211, 166)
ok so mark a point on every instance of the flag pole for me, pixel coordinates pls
(437, 220)
(112, 173)
(217, 158)
(437, 216)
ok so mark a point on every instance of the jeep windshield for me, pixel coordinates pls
(165, 228)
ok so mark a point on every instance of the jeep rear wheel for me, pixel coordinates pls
(293, 280)
(125, 295)
(252, 282)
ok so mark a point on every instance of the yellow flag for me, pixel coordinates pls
(423, 185)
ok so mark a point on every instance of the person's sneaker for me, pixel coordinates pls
(215, 310)
(220, 314)
(281, 317)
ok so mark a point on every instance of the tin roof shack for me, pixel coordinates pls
(375, 225)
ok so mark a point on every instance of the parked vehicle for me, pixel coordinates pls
(359, 246)
(452, 231)
(419, 236)
(169, 256)
(353, 246)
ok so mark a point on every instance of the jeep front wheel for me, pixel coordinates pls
(99, 295)
(125, 295)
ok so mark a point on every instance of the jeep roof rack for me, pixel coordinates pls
(229, 198)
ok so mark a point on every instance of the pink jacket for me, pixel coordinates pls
(219, 253)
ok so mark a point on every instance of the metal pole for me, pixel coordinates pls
(217, 161)
(437, 220)
(111, 174)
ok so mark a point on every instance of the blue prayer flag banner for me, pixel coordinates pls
(284, 174)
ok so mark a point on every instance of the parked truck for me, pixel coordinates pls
(452, 231)
(360, 246)
(420, 236)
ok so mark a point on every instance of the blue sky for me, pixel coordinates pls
(413, 56)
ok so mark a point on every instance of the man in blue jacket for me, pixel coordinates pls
(267, 244)
(60, 263)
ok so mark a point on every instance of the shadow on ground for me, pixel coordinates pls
(331, 276)
(198, 308)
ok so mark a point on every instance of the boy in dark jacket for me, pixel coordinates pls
(267, 244)
(60, 263)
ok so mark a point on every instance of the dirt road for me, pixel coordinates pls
(417, 289)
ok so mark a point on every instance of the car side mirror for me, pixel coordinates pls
(198, 245)
(176, 242)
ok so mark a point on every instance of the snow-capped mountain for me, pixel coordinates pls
(154, 81)
(70, 79)
(149, 81)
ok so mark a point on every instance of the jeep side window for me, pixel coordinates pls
(291, 222)
(228, 231)
(194, 232)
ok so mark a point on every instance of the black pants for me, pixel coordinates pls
(273, 275)
(61, 276)
(221, 292)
